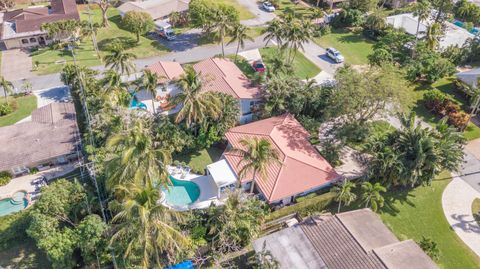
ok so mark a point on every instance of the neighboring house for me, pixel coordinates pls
(167, 73)
(223, 75)
(50, 138)
(352, 240)
(454, 35)
(470, 77)
(303, 169)
(398, 3)
(158, 9)
(21, 28)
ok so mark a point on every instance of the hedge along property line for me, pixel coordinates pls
(305, 206)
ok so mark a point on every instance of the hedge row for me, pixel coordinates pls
(305, 206)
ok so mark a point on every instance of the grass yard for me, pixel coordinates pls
(353, 46)
(25, 106)
(414, 101)
(419, 213)
(302, 66)
(245, 14)
(301, 10)
(52, 61)
(199, 160)
(476, 209)
(416, 213)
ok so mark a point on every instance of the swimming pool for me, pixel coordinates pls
(135, 104)
(182, 192)
(14, 204)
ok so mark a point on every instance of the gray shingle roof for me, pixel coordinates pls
(53, 132)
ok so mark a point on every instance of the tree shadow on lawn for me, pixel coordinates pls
(400, 195)
(127, 42)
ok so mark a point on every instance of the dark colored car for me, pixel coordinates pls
(259, 66)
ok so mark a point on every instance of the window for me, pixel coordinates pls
(33, 40)
(24, 41)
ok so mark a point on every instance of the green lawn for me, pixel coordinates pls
(414, 101)
(302, 66)
(25, 106)
(245, 14)
(199, 160)
(52, 61)
(418, 212)
(476, 209)
(353, 46)
(301, 10)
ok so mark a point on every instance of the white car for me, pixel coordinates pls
(335, 55)
(268, 6)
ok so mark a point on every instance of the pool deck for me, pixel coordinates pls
(208, 191)
(24, 183)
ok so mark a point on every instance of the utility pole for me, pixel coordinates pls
(94, 35)
(90, 166)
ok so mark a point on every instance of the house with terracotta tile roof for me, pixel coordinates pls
(21, 28)
(302, 170)
(223, 75)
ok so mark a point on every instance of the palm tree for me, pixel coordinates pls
(221, 25)
(275, 31)
(149, 83)
(174, 18)
(7, 87)
(344, 193)
(145, 229)
(135, 158)
(114, 88)
(422, 11)
(257, 155)
(372, 195)
(297, 33)
(434, 32)
(195, 103)
(240, 35)
(119, 59)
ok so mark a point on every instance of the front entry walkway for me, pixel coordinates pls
(457, 206)
(16, 65)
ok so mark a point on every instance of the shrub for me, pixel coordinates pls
(458, 119)
(430, 247)
(5, 109)
(304, 207)
(434, 98)
(5, 178)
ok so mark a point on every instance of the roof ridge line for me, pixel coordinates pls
(231, 88)
(277, 177)
(310, 164)
(218, 66)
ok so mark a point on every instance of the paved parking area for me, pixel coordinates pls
(16, 65)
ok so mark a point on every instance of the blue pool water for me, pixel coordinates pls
(14, 204)
(182, 192)
(136, 104)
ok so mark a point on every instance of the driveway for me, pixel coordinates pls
(470, 170)
(184, 41)
(16, 65)
(251, 55)
(457, 201)
(52, 95)
(261, 16)
(318, 56)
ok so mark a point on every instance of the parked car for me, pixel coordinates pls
(259, 66)
(164, 29)
(268, 6)
(335, 55)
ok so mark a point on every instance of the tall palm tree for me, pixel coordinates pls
(119, 59)
(372, 195)
(147, 228)
(434, 32)
(344, 193)
(114, 88)
(149, 83)
(196, 104)
(221, 25)
(422, 11)
(257, 155)
(7, 87)
(240, 35)
(297, 33)
(135, 158)
(275, 31)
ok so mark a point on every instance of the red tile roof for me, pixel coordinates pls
(222, 75)
(303, 168)
(166, 70)
(31, 19)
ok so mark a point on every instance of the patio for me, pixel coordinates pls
(160, 100)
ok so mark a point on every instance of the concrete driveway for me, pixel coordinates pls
(182, 42)
(52, 95)
(16, 65)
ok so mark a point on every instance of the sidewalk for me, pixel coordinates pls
(457, 206)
